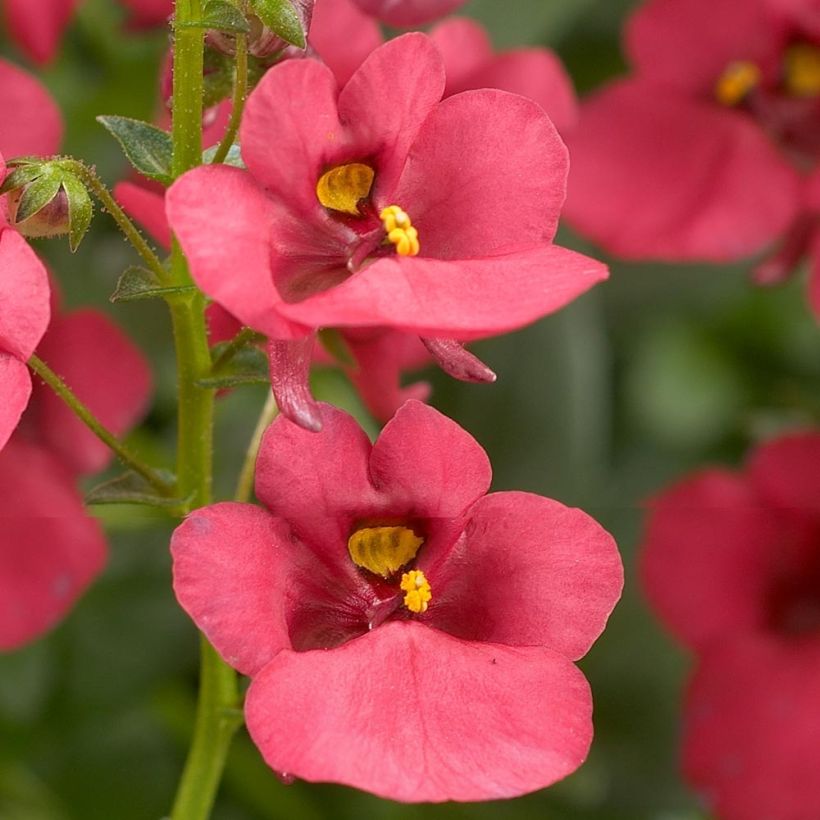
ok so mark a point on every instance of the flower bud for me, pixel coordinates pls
(262, 41)
(52, 219)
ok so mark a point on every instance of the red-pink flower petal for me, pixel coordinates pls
(465, 47)
(343, 36)
(786, 473)
(384, 124)
(318, 482)
(290, 130)
(485, 175)
(36, 125)
(659, 176)
(230, 571)
(146, 13)
(37, 25)
(460, 299)
(708, 557)
(289, 379)
(408, 12)
(411, 714)
(428, 465)
(750, 730)
(24, 296)
(147, 206)
(669, 44)
(527, 572)
(15, 390)
(227, 241)
(106, 372)
(49, 548)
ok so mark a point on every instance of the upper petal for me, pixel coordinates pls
(459, 299)
(485, 175)
(408, 12)
(465, 46)
(528, 571)
(656, 175)
(226, 239)
(425, 463)
(105, 371)
(24, 296)
(386, 101)
(15, 389)
(343, 36)
(38, 26)
(37, 125)
(411, 714)
(50, 549)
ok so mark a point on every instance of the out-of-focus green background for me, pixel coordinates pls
(656, 372)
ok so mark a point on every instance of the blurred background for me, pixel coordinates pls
(658, 371)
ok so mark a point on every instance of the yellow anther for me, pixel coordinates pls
(383, 550)
(801, 72)
(418, 591)
(400, 231)
(344, 187)
(736, 82)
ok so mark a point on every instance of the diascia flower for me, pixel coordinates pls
(37, 25)
(367, 208)
(709, 150)
(406, 12)
(406, 633)
(731, 563)
(50, 549)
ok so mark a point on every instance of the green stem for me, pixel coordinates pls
(240, 90)
(92, 181)
(244, 485)
(96, 427)
(217, 709)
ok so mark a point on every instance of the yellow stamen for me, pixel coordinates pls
(344, 187)
(418, 591)
(400, 231)
(802, 70)
(383, 550)
(736, 82)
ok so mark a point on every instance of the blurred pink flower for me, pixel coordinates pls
(406, 633)
(731, 564)
(37, 25)
(707, 150)
(359, 209)
(405, 12)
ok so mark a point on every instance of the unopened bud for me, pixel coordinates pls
(52, 219)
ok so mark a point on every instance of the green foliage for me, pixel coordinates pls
(147, 147)
(280, 17)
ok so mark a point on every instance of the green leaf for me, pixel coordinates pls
(281, 17)
(39, 192)
(80, 210)
(246, 366)
(224, 16)
(131, 488)
(20, 176)
(148, 148)
(139, 283)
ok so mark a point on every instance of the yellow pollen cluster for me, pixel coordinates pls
(344, 187)
(383, 550)
(802, 70)
(736, 82)
(418, 591)
(400, 231)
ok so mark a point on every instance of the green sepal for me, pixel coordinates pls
(132, 488)
(139, 283)
(281, 17)
(38, 193)
(148, 148)
(20, 176)
(80, 210)
(224, 16)
(247, 366)
(335, 344)
(233, 157)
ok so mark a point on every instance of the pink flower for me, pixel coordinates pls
(731, 564)
(37, 25)
(406, 12)
(362, 208)
(148, 13)
(343, 37)
(406, 633)
(704, 151)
